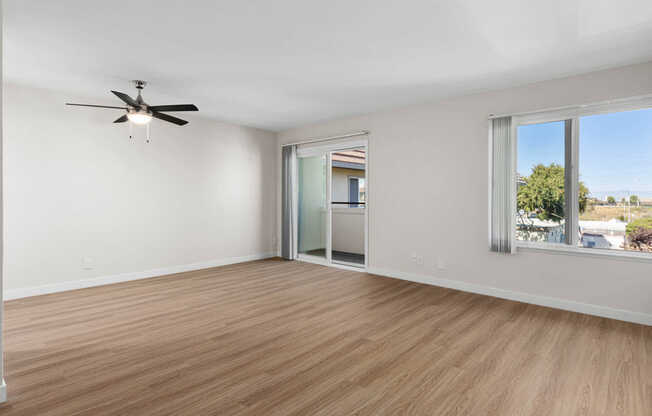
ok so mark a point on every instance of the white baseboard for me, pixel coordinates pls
(125, 277)
(3, 391)
(586, 308)
(568, 305)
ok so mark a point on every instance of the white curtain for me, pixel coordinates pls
(502, 185)
(288, 239)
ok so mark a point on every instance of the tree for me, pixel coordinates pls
(583, 196)
(623, 201)
(611, 200)
(633, 200)
(543, 193)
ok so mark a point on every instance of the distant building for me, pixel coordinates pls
(349, 179)
(520, 181)
(646, 202)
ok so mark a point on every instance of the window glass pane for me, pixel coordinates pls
(616, 179)
(312, 206)
(540, 183)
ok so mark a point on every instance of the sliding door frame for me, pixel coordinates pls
(366, 206)
(329, 207)
(303, 256)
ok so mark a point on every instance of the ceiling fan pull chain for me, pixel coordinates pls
(147, 138)
(131, 132)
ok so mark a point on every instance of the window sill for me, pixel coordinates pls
(523, 246)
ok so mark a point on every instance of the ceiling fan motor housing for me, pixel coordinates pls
(139, 83)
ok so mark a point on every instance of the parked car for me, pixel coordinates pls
(592, 240)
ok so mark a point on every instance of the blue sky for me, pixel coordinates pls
(615, 151)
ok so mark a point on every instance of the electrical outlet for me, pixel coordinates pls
(87, 263)
(420, 260)
(441, 264)
(413, 257)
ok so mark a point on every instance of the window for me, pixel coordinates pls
(540, 178)
(584, 179)
(356, 191)
(615, 166)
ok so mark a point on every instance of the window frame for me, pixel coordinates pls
(573, 115)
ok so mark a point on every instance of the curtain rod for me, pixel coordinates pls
(575, 107)
(323, 139)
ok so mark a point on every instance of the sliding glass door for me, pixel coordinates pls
(312, 201)
(332, 194)
(348, 206)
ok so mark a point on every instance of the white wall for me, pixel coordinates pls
(76, 188)
(348, 223)
(340, 183)
(348, 230)
(428, 195)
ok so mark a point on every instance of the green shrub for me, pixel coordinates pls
(640, 239)
(639, 224)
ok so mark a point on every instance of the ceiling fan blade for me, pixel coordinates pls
(171, 119)
(97, 106)
(174, 107)
(127, 99)
(121, 119)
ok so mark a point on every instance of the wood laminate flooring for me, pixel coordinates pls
(273, 337)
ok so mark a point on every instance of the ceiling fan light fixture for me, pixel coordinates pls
(139, 117)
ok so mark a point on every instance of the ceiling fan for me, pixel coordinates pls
(139, 112)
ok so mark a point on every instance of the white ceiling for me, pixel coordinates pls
(275, 64)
